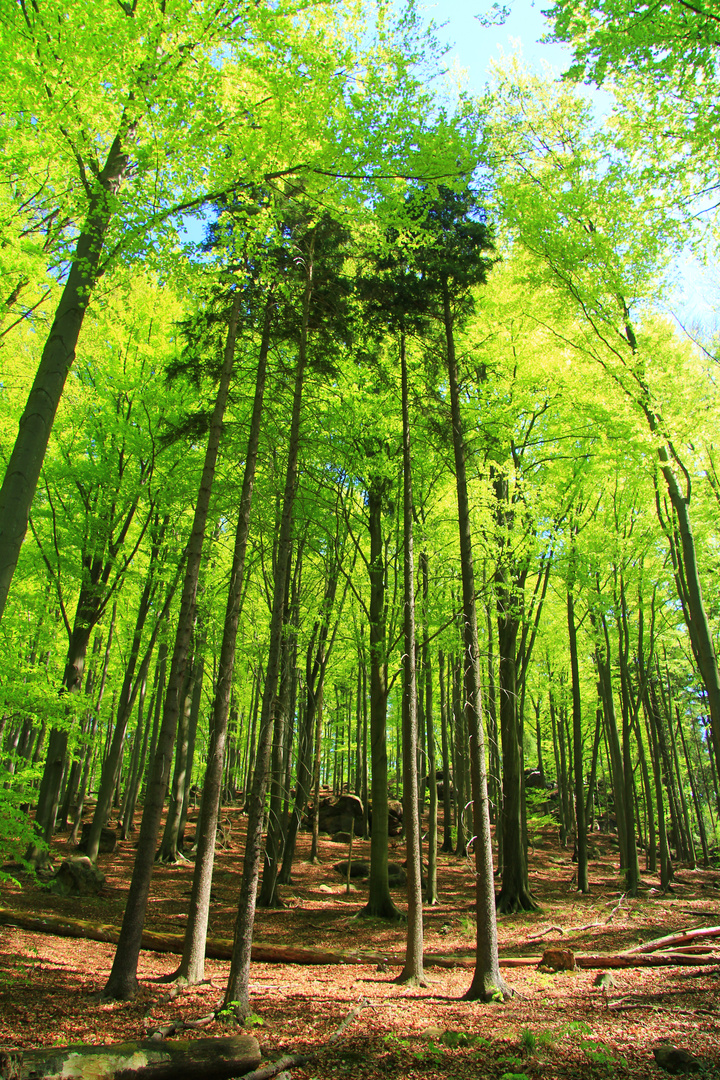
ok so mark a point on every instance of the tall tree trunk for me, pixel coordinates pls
(192, 964)
(447, 844)
(431, 895)
(123, 982)
(380, 903)
(487, 980)
(515, 891)
(237, 992)
(580, 825)
(318, 654)
(169, 851)
(412, 972)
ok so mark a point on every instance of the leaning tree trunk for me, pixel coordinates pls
(86, 616)
(123, 981)
(192, 965)
(128, 693)
(487, 981)
(237, 992)
(23, 468)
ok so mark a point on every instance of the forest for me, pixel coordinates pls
(359, 502)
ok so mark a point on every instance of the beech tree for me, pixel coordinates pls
(95, 91)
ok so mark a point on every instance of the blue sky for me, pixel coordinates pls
(697, 291)
(475, 45)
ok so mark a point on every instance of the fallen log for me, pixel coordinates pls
(683, 937)
(636, 960)
(150, 1059)
(215, 948)
(221, 948)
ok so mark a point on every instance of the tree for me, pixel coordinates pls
(96, 90)
(122, 983)
(453, 260)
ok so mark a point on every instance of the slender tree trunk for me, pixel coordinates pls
(169, 851)
(123, 982)
(192, 965)
(237, 992)
(380, 903)
(317, 757)
(412, 972)
(144, 726)
(694, 792)
(515, 892)
(487, 980)
(447, 844)
(431, 895)
(580, 825)
(665, 865)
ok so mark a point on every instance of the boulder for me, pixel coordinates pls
(396, 875)
(77, 876)
(338, 814)
(675, 1060)
(358, 868)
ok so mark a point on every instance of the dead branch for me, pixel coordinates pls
(579, 929)
(290, 1061)
(683, 937)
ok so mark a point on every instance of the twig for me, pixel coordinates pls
(579, 929)
(290, 1061)
(182, 1025)
(536, 937)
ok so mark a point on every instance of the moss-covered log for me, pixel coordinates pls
(199, 1059)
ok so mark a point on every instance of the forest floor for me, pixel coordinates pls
(555, 1025)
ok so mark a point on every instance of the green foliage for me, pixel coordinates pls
(598, 1053)
(528, 1041)
(463, 1038)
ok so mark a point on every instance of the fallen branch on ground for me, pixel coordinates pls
(296, 1061)
(579, 929)
(682, 937)
(215, 949)
(220, 949)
